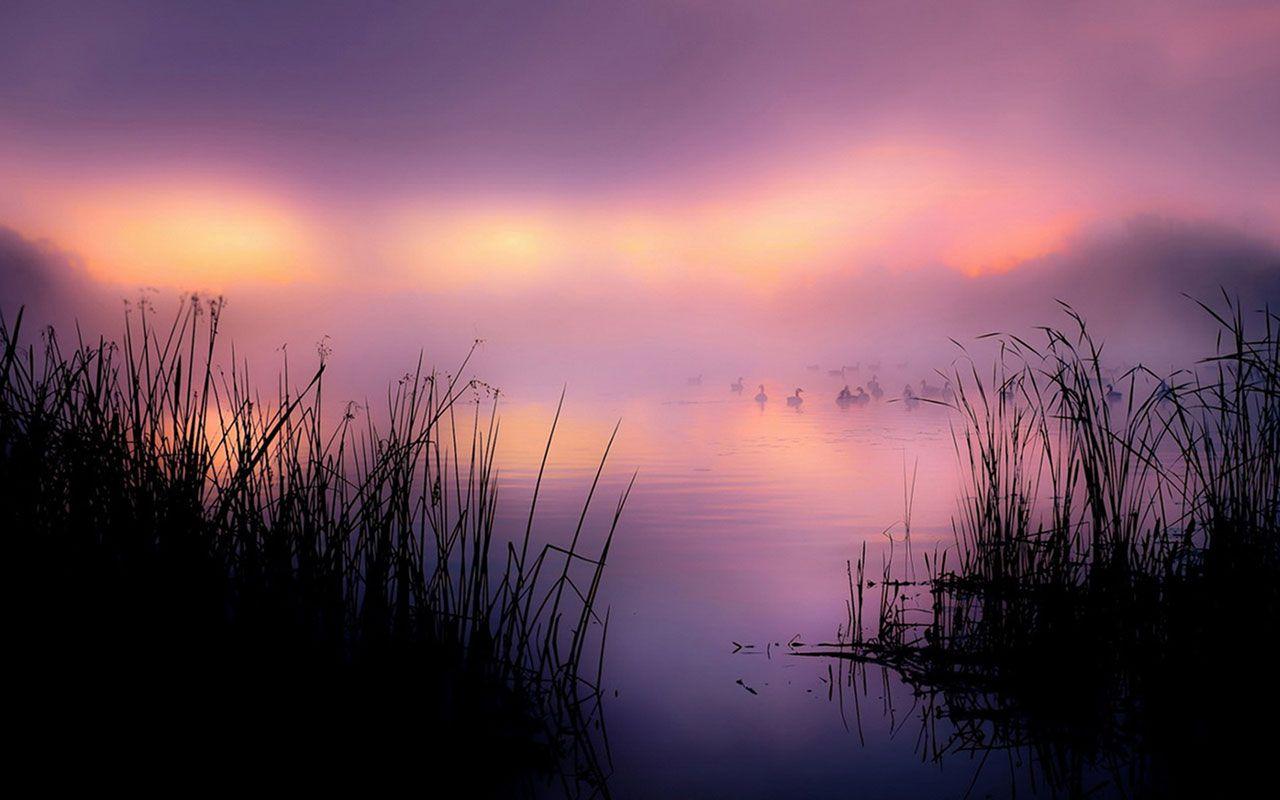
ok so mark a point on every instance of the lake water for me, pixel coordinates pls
(738, 531)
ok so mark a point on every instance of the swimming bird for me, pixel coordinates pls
(876, 390)
(736, 386)
(762, 397)
(861, 398)
(931, 392)
(795, 400)
(696, 381)
(909, 398)
(845, 397)
(836, 373)
(1112, 395)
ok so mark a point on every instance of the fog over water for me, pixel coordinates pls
(1132, 282)
(640, 206)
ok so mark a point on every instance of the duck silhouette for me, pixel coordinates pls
(909, 398)
(876, 390)
(929, 391)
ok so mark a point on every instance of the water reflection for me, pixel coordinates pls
(738, 529)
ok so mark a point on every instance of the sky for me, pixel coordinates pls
(697, 181)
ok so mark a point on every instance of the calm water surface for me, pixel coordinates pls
(738, 530)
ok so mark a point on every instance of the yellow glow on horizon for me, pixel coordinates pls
(188, 237)
(894, 204)
(487, 246)
(755, 234)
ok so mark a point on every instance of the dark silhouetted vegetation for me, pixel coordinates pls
(1107, 614)
(210, 581)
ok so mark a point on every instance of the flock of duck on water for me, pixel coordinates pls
(910, 397)
(847, 397)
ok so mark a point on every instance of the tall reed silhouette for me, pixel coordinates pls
(1115, 572)
(212, 576)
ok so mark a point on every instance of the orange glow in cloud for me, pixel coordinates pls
(753, 233)
(1006, 245)
(191, 237)
(816, 214)
(183, 234)
(489, 246)
(889, 205)
(894, 206)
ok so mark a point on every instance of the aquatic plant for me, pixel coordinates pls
(1116, 566)
(227, 580)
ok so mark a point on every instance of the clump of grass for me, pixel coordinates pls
(252, 579)
(1117, 564)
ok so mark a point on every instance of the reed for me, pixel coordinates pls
(1116, 564)
(257, 573)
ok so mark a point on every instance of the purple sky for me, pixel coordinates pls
(595, 95)
(545, 158)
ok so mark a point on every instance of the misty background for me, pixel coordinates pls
(1131, 282)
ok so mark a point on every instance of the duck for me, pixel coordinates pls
(861, 398)
(1112, 395)
(696, 381)
(836, 373)
(876, 390)
(795, 400)
(845, 397)
(736, 386)
(814, 367)
(761, 397)
(931, 392)
(909, 398)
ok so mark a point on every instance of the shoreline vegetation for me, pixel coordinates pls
(1103, 622)
(214, 582)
